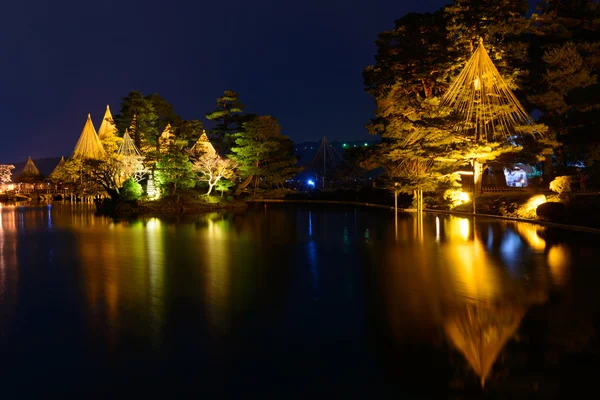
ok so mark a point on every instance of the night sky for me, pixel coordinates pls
(301, 62)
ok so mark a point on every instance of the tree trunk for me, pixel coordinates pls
(210, 187)
(244, 184)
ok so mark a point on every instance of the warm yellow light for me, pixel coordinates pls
(464, 228)
(529, 232)
(153, 224)
(559, 261)
(528, 210)
(456, 197)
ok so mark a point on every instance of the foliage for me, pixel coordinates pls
(563, 75)
(5, 173)
(144, 129)
(188, 131)
(528, 210)
(212, 168)
(263, 153)
(501, 24)
(224, 186)
(174, 171)
(227, 115)
(131, 190)
(423, 144)
(561, 184)
(456, 197)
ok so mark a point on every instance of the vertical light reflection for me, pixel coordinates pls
(311, 248)
(156, 263)
(559, 261)
(437, 229)
(9, 272)
(218, 279)
(473, 271)
(529, 232)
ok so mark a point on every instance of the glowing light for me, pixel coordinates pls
(311, 182)
(529, 232)
(559, 261)
(437, 229)
(153, 224)
(528, 210)
(366, 144)
(456, 197)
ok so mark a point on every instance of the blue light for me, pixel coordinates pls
(311, 183)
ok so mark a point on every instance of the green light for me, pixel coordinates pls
(366, 144)
(344, 145)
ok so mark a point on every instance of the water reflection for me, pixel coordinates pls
(281, 291)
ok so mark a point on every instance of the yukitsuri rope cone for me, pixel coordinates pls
(127, 147)
(107, 127)
(88, 145)
(30, 168)
(484, 101)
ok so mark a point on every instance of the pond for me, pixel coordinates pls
(293, 301)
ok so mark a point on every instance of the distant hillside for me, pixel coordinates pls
(44, 165)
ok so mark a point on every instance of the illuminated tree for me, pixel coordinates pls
(5, 173)
(212, 168)
(144, 128)
(226, 115)
(410, 74)
(174, 171)
(261, 151)
(131, 190)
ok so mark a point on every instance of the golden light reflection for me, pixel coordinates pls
(123, 265)
(457, 228)
(529, 232)
(218, 279)
(472, 269)
(480, 332)
(559, 261)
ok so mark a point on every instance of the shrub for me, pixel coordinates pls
(131, 190)
(551, 211)
(561, 184)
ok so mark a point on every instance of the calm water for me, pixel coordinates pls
(287, 301)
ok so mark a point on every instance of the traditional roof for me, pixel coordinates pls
(30, 168)
(203, 145)
(107, 127)
(58, 166)
(484, 100)
(127, 147)
(88, 145)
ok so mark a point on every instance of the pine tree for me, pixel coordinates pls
(406, 82)
(262, 152)
(144, 131)
(226, 115)
(564, 71)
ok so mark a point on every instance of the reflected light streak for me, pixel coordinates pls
(559, 257)
(437, 229)
(473, 270)
(529, 232)
(309, 223)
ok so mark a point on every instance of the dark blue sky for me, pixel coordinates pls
(301, 62)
